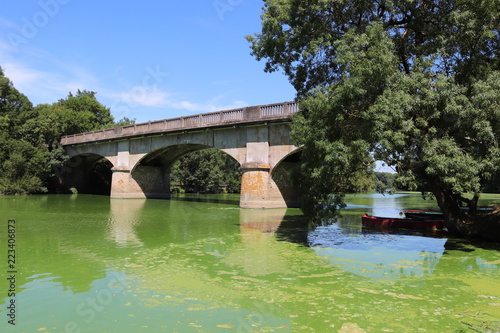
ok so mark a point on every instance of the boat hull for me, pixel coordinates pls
(416, 214)
(375, 221)
(436, 214)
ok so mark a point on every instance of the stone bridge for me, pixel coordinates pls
(141, 155)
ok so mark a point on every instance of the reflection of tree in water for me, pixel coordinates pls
(59, 244)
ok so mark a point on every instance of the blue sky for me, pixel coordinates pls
(146, 60)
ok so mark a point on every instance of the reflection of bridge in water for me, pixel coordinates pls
(141, 155)
(122, 222)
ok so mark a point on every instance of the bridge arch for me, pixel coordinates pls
(151, 173)
(166, 156)
(285, 175)
(87, 173)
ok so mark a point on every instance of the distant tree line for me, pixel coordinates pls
(206, 171)
(385, 181)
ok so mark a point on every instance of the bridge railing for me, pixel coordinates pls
(212, 119)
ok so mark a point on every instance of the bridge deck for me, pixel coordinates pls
(252, 114)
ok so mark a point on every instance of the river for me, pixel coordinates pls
(89, 263)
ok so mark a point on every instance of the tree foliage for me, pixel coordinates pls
(415, 84)
(125, 121)
(207, 171)
(30, 136)
(22, 166)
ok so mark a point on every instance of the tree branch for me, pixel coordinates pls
(402, 53)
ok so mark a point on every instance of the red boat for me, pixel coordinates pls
(375, 221)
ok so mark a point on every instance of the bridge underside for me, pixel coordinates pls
(88, 173)
(145, 182)
(258, 188)
(261, 185)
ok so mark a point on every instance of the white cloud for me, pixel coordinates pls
(141, 96)
(43, 86)
(210, 106)
(46, 79)
(216, 103)
(8, 24)
(20, 75)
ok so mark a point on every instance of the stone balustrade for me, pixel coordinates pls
(252, 114)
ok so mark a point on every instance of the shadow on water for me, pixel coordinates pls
(470, 245)
(293, 229)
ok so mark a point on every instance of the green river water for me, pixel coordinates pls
(200, 264)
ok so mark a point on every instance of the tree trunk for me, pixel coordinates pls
(465, 224)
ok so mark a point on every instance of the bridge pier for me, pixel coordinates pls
(143, 182)
(258, 189)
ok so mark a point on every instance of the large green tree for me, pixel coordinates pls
(77, 113)
(29, 136)
(22, 162)
(415, 83)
